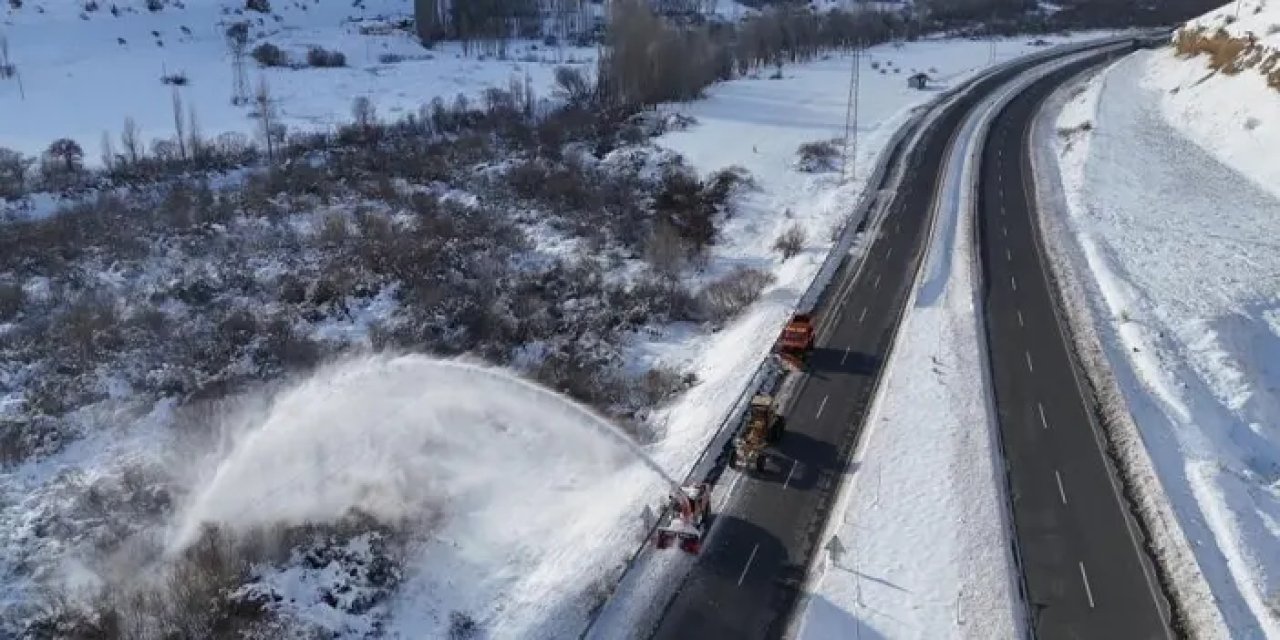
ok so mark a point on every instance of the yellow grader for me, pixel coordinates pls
(764, 427)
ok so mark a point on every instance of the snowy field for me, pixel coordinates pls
(1172, 212)
(81, 78)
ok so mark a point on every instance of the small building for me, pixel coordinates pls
(918, 81)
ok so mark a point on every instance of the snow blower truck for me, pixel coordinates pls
(796, 342)
(764, 426)
(686, 518)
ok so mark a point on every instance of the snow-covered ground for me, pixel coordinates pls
(80, 77)
(1171, 213)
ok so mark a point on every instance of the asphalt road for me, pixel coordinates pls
(1086, 572)
(748, 577)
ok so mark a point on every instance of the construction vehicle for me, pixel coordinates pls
(686, 518)
(763, 427)
(796, 342)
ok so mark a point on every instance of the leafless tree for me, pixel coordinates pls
(179, 124)
(238, 43)
(130, 141)
(108, 152)
(266, 109)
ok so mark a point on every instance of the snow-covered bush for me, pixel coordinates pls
(269, 55)
(818, 157)
(321, 57)
(791, 242)
(725, 297)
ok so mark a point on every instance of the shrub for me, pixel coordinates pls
(320, 57)
(11, 300)
(269, 55)
(724, 298)
(178, 79)
(791, 242)
(261, 6)
(572, 85)
(818, 157)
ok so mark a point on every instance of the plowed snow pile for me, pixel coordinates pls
(1173, 213)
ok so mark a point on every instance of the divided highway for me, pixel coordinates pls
(747, 580)
(1086, 572)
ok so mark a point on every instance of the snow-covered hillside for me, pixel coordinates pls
(81, 73)
(1171, 210)
(1220, 87)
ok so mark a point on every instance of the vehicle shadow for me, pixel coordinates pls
(797, 460)
(827, 361)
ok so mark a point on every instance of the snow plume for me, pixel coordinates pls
(408, 437)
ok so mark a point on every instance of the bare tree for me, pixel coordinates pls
(195, 140)
(238, 43)
(130, 141)
(179, 124)
(13, 173)
(266, 110)
(108, 153)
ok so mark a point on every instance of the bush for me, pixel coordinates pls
(11, 300)
(319, 57)
(269, 55)
(261, 6)
(178, 79)
(818, 157)
(791, 242)
(724, 298)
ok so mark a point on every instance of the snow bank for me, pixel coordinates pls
(1168, 243)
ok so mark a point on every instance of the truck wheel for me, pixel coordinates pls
(776, 430)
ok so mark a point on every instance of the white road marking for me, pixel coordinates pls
(729, 492)
(1029, 367)
(822, 406)
(888, 253)
(877, 283)
(1020, 322)
(1004, 230)
(1084, 576)
(845, 356)
(1013, 281)
(793, 470)
(1002, 208)
(756, 548)
(1062, 493)
(1044, 423)
(1008, 255)
(863, 314)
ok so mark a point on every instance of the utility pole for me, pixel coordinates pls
(849, 163)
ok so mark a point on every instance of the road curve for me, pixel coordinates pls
(1085, 567)
(746, 582)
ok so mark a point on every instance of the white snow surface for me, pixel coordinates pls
(79, 82)
(1233, 118)
(1173, 232)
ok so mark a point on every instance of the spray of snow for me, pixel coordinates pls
(409, 437)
